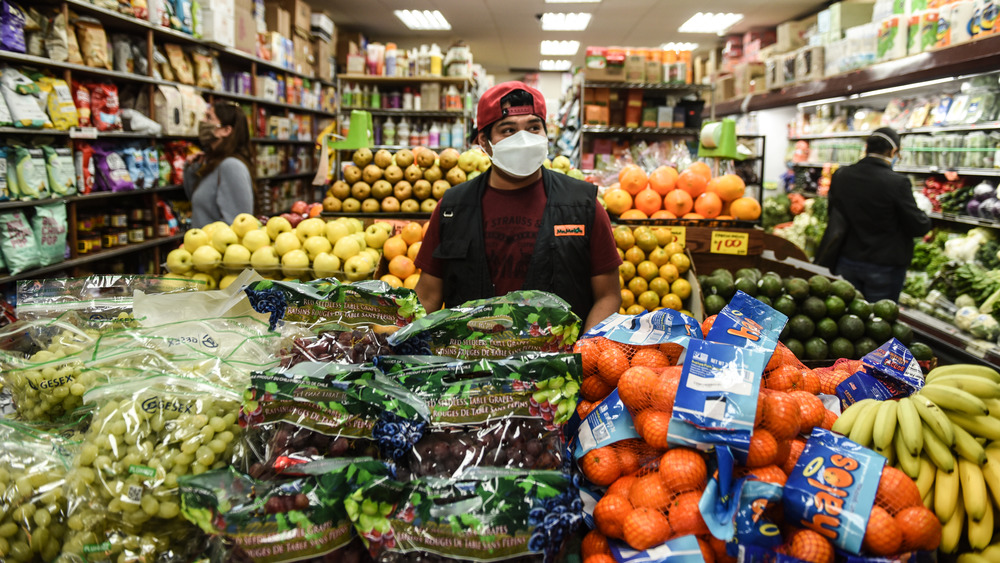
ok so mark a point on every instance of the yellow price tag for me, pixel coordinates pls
(680, 234)
(726, 242)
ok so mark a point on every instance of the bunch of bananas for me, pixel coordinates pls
(943, 438)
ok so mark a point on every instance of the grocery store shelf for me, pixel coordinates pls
(988, 126)
(457, 80)
(89, 258)
(679, 86)
(821, 164)
(30, 60)
(940, 332)
(87, 197)
(638, 130)
(964, 219)
(401, 147)
(837, 135)
(409, 112)
(938, 170)
(273, 141)
(288, 176)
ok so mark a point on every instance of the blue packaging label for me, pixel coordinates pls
(589, 499)
(910, 557)
(749, 323)
(684, 549)
(862, 386)
(832, 489)
(608, 423)
(753, 522)
(653, 327)
(893, 361)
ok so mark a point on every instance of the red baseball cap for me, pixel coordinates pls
(488, 111)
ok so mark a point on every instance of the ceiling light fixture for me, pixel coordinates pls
(424, 20)
(554, 65)
(572, 21)
(678, 46)
(708, 22)
(560, 48)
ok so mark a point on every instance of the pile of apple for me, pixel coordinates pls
(313, 248)
(562, 165)
(409, 181)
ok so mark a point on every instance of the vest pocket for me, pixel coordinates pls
(452, 249)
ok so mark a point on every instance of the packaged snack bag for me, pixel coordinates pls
(86, 168)
(56, 40)
(32, 179)
(81, 97)
(5, 192)
(19, 94)
(12, 27)
(104, 107)
(61, 109)
(17, 242)
(60, 170)
(112, 174)
(93, 43)
(50, 224)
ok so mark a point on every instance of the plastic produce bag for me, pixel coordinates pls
(355, 346)
(50, 224)
(17, 242)
(60, 170)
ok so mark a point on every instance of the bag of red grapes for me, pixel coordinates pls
(293, 519)
(313, 411)
(496, 515)
(489, 413)
(497, 327)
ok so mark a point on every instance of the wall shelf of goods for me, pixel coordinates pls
(123, 86)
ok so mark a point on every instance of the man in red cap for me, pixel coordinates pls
(519, 225)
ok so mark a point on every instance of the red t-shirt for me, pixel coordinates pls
(511, 220)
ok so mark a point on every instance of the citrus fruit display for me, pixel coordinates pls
(654, 270)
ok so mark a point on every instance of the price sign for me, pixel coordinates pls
(680, 234)
(728, 242)
(83, 133)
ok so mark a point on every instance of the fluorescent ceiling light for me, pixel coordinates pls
(904, 87)
(574, 21)
(708, 22)
(560, 48)
(423, 19)
(824, 101)
(678, 46)
(554, 65)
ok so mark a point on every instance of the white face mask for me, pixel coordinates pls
(521, 154)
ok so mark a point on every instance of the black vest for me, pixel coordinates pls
(560, 263)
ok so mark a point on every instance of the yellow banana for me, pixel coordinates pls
(954, 399)
(963, 369)
(992, 552)
(994, 406)
(861, 433)
(909, 463)
(929, 501)
(937, 451)
(885, 425)
(850, 415)
(978, 386)
(981, 531)
(946, 491)
(888, 453)
(966, 446)
(974, 493)
(991, 474)
(935, 419)
(925, 480)
(951, 529)
(973, 558)
(909, 426)
(984, 426)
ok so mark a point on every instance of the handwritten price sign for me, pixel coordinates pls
(680, 234)
(726, 242)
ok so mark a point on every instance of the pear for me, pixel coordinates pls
(448, 159)
(404, 158)
(413, 173)
(352, 174)
(432, 174)
(455, 176)
(362, 157)
(371, 174)
(427, 158)
(383, 158)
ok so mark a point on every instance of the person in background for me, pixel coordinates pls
(519, 225)
(220, 182)
(882, 218)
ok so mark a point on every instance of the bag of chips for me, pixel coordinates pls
(4, 189)
(56, 39)
(49, 224)
(105, 110)
(93, 43)
(60, 170)
(202, 68)
(17, 242)
(81, 97)
(86, 173)
(121, 46)
(60, 105)
(12, 27)
(112, 174)
(179, 63)
(19, 92)
(72, 46)
(133, 162)
(32, 181)
(34, 33)
(152, 161)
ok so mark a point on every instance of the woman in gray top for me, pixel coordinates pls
(220, 183)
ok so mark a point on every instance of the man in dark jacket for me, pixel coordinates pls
(519, 225)
(882, 217)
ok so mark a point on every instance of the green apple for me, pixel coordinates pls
(356, 225)
(206, 258)
(375, 255)
(277, 225)
(562, 163)
(236, 256)
(244, 223)
(227, 280)
(212, 227)
(576, 173)
(346, 248)
(179, 261)
(316, 245)
(195, 238)
(209, 280)
(264, 259)
(223, 237)
(358, 267)
(467, 161)
(287, 242)
(484, 163)
(473, 174)
(336, 230)
(310, 228)
(375, 236)
(387, 227)
(326, 265)
(295, 263)
(360, 236)
(255, 239)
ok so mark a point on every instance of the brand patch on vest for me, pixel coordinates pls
(570, 230)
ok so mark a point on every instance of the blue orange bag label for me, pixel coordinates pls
(832, 489)
(654, 327)
(908, 557)
(888, 372)
(608, 423)
(753, 522)
(748, 323)
(684, 549)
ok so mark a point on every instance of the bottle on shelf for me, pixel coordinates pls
(435, 59)
(423, 61)
(356, 98)
(407, 98)
(414, 139)
(416, 101)
(434, 136)
(444, 140)
(345, 126)
(376, 101)
(390, 59)
(403, 132)
(377, 133)
(347, 97)
(395, 100)
(389, 132)
(452, 100)
(457, 134)
(425, 136)
(366, 97)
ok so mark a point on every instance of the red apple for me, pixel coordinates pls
(293, 218)
(300, 207)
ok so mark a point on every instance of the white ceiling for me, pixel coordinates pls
(505, 34)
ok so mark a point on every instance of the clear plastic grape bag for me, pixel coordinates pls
(353, 346)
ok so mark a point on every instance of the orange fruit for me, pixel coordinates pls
(663, 179)
(663, 214)
(783, 378)
(665, 393)
(645, 528)
(706, 325)
(763, 448)
(896, 491)
(617, 201)
(700, 168)
(635, 387)
(685, 516)
(678, 202)
(672, 351)
(719, 549)
(627, 458)
(648, 201)
(633, 214)
(650, 358)
(706, 551)
(795, 450)
(625, 170)
(394, 246)
(829, 417)
(811, 410)
(589, 350)
(781, 356)
(810, 382)
(413, 250)
(412, 232)
(594, 389)
(611, 364)
(921, 529)
(594, 543)
(708, 205)
(622, 485)
(882, 536)
(411, 281)
(600, 558)
(683, 469)
(584, 408)
(654, 428)
(692, 183)
(402, 267)
(781, 415)
(610, 513)
(649, 491)
(600, 466)
(633, 179)
(745, 209)
(810, 546)
(770, 474)
(728, 187)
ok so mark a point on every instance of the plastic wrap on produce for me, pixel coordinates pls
(283, 520)
(163, 308)
(493, 328)
(316, 410)
(351, 346)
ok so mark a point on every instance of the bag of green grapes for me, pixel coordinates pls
(35, 509)
(144, 435)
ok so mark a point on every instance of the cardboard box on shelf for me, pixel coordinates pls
(603, 146)
(654, 72)
(610, 73)
(809, 64)
(244, 27)
(649, 117)
(725, 87)
(217, 18)
(665, 117)
(635, 68)
(749, 78)
(304, 59)
(278, 19)
(349, 44)
(754, 41)
(321, 27)
(788, 68)
(325, 69)
(596, 115)
(792, 34)
(843, 15)
(774, 73)
(300, 14)
(597, 96)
